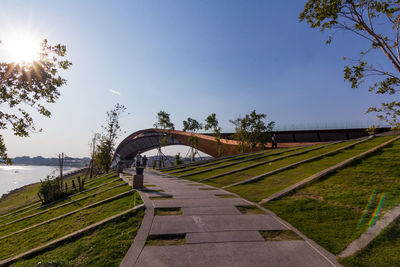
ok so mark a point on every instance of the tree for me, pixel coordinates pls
(163, 122)
(241, 133)
(212, 123)
(251, 131)
(193, 126)
(377, 22)
(106, 146)
(29, 84)
(92, 151)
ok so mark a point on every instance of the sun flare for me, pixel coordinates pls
(21, 48)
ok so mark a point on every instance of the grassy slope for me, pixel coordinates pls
(329, 211)
(105, 246)
(383, 251)
(21, 242)
(27, 193)
(214, 162)
(197, 177)
(261, 189)
(239, 176)
(222, 163)
(4, 230)
(37, 208)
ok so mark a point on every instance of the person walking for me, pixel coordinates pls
(138, 159)
(274, 142)
(144, 161)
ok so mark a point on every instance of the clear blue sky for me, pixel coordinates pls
(189, 58)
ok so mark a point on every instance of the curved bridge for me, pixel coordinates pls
(148, 139)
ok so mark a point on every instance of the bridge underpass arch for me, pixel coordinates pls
(148, 139)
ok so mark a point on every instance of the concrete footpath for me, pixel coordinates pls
(217, 233)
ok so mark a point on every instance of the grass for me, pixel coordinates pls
(4, 230)
(217, 161)
(240, 176)
(330, 211)
(226, 196)
(53, 205)
(261, 189)
(250, 209)
(32, 238)
(167, 211)
(166, 240)
(187, 171)
(382, 251)
(280, 235)
(27, 193)
(161, 197)
(211, 172)
(208, 188)
(105, 246)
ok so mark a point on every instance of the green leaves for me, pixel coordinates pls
(251, 131)
(112, 129)
(212, 123)
(27, 84)
(378, 22)
(164, 121)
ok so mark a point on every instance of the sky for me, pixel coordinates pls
(189, 58)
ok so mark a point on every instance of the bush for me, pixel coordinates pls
(50, 190)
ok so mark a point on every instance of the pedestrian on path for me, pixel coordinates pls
(274, 141)
(144, 161)
(138, 159)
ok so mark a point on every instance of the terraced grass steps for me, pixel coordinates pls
(337, 209)
(261, 189)
(264, 162)
(272, 166)
(69, 237)
(262, 176)
(166, 169)
(22, 197)
(36, 201)
(326, 172)
(68, 214)
(252, 156)
(109, 183)
(62, 209)
(23, 241)
(234, 163)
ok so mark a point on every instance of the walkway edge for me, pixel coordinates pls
(132, 255)
(325, 172)
(329, 257)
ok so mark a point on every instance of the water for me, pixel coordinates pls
(12, 177)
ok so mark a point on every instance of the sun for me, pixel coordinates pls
(21, 48)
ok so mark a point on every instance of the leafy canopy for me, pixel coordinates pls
(29, 85)
(164, 121)
(378, 23)
(251, 130)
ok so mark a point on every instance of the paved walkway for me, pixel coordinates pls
(217, 233)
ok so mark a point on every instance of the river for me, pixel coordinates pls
(15, 176)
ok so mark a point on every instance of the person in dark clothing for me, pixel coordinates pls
(144, 161)
(274, 141)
